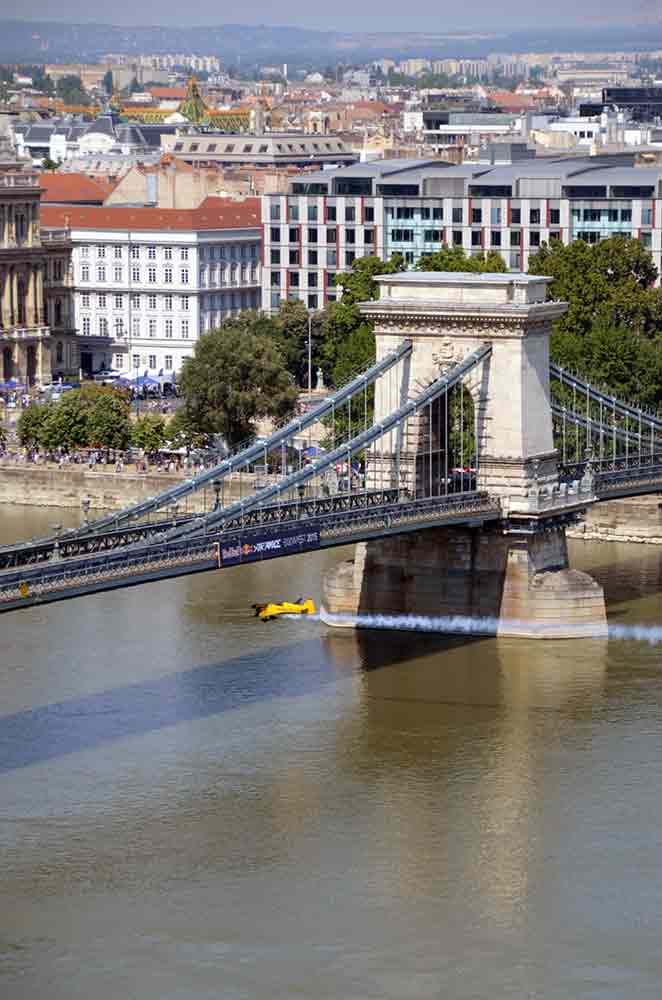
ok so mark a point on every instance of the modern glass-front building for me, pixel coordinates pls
(412, 207)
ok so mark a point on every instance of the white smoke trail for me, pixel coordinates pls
(467, 625)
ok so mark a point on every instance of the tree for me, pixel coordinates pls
(183, 434)
(455, 259)
(291, 333)
(30, 424)
(70, 90)
(235, 377)
(349, 343)
(107, 82)
(149, 433)
(608, 282)
(108, 422)
(48, 164)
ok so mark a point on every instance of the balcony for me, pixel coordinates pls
(19, 180)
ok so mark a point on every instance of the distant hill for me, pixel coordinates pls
(44, 41)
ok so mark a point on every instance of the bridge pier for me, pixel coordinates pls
(521, 581)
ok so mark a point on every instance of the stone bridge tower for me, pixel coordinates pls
(516, 572)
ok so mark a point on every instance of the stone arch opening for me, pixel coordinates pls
(7, 363)
(31, 363)
(59, 352)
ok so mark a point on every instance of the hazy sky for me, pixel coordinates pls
(346, 15)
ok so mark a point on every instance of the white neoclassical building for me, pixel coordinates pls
(148, 281)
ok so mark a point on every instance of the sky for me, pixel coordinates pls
(346, 15)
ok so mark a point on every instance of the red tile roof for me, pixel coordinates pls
(168, 93)
(213, 213)
(72, 188)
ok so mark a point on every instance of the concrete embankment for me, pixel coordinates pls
(42, 486)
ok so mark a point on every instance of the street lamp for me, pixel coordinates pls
(85, 505)
(216, 486)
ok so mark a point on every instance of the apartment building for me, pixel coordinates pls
(413, 207)
(146, 282)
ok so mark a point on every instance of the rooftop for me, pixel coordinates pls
(213, 213)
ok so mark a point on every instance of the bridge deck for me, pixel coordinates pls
(268, 533)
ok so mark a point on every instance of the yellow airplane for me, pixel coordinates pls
(267, 612)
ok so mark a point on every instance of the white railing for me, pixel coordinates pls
(19, 180)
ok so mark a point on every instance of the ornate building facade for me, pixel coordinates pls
(34, 275)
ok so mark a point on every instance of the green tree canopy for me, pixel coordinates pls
(149, 433)
(92, 416)
(456, 259)
(291, 333)
(349, 343)
(70, 90)
(236, 376)
(610, 283)
(30, 424)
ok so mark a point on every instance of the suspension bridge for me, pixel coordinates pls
(454, 463)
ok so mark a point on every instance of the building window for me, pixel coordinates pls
(135, 326)
(85, 251)
(626, 215)
(312, 302)
(294, 258)
(117, 274)
(515, 239)
(368, 214)
(101, 301)
(184, 329)
(184, 276)
(476, 238)
(293, 234)
(167, 362)
(331, 235)
(292, 213)
(275, 279)
(167, 253)
(350, 257)
(135, 273)
(136, 361)
(312, 213)
(167, 303)
(168, 328)
(495, 238)
(274, 211)
(275, 234)
(275, 257)
(86, 326)
(101, 251)
(167, 276)
(117, 253)
(331, 258)
(312, 279)
(101, 274)
(312, 258)
(457, 237)
(119, 328)
(476, 216)
(151, 253)
(437, 213)
(135, 302)
(312, 235)
(119, 360)
(152, 361)
(183, 253)
(350, 213)
(151, 275)
(350, 236)
(495, 215)
(151, 327)
(135, 253)
(119, 301)
(534, 217)
(184, 303)
(85, 300)
(294, 279)
(554, 217)
(151, 301)
(85, 273)
(516, 217)
(103, 326)
(534, 239)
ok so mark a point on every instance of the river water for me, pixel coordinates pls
(195, 805)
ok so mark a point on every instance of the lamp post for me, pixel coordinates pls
(85, 505)
(216, 486)
(137, 367)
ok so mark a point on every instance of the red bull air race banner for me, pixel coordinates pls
(262, 546)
